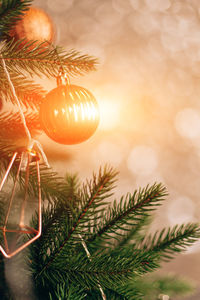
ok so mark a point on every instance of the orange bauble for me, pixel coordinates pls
(35, 25)
(69, 114)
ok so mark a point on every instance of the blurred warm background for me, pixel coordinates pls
(148, 88)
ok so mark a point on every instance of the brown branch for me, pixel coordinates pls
(57, 62)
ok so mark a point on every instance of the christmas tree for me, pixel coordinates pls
(88, 249)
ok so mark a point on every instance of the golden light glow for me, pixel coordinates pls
(187, 123)
(93, 110)
(180, 210)
(142, 160)
(110, 114)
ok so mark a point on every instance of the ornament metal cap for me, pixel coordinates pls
(62, 78)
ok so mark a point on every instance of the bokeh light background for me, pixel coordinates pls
(148, 88)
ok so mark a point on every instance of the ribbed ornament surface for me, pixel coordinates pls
(69, 114)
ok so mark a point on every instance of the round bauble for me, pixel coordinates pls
(35, 25)
(69, 114)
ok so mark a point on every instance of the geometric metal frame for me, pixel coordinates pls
(24, 229)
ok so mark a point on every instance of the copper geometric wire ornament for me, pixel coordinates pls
(11, 237)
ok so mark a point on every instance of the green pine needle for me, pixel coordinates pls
(38, 59)
(11, 11)
(125, 216)
(171, 241)
(121, 252)
(12, 129)
(28, 92)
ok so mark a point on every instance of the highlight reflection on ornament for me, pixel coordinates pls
(12, 232)
(69, 114)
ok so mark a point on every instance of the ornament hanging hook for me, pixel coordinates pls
(62, 78)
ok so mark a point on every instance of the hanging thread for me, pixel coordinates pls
(17, 100)
(31, 141)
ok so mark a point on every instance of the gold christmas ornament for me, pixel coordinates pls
(69, 113)
(16, 211)
(35, 25)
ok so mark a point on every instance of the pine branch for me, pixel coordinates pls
(57, 255)
(44, 60)
(128, 212)
(54, 188)
(29, 93)
(124, 292)
(68, 291)
(59, 264)
(110, 269)
(93, 195)
(13, 138)
(12, 129)
(38, 61)
(67, 229)
(171, 241)
(111, 294)
(73, 185)
(136, 233)
(11, 11)
(56, 219)
(121, 292)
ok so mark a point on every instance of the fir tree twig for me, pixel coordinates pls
(37, 59)
(11, 11)
(129, 212)
(170, 241)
